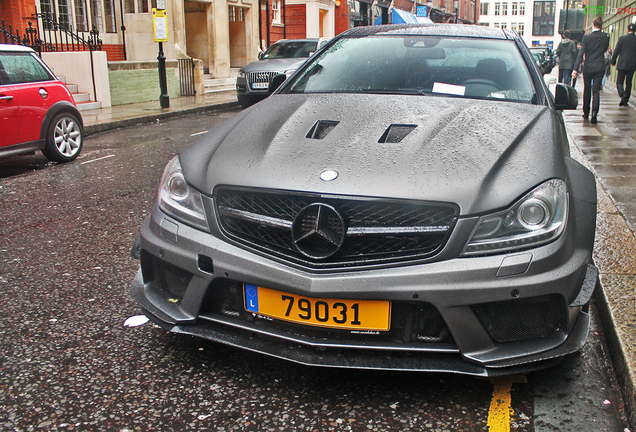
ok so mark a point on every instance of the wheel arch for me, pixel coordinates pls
(57, 108)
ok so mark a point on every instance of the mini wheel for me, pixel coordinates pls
(64, 138)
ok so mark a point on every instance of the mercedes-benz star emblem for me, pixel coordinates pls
(318, 231)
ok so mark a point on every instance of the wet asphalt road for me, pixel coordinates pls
(68, 363)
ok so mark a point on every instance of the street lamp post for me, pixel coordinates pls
(456, 4)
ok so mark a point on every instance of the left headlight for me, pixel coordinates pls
(177, 199)
(537, 218)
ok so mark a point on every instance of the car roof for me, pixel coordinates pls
(433, 29)
(15, 48)
(296, 40)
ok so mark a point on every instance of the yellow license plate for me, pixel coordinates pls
(333, 313)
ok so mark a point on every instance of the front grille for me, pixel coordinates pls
(413, 324)
(259, 77)
(374, 230)
(522, 319)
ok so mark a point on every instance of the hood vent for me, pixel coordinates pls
(321, 129)
(396, 133)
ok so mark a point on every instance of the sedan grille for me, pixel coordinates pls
(328, 231)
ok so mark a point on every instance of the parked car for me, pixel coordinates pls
(283, 57)
(37, 111)
(406, 200)
(548, 58)
(542, 64)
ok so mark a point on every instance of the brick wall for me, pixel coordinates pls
(296, 27)
(342, 17)
(132, 82)
(17, 13)
(296, 18)
(114, 52)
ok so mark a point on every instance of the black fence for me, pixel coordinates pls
(186, 76)
(51, 36)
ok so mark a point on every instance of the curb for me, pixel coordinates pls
(117, 124)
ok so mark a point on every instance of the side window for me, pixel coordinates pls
(22, 68)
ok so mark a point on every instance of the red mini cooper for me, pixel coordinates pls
(37, 111)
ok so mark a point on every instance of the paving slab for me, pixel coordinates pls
(608, 148)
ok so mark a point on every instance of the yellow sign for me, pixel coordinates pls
(160, 25)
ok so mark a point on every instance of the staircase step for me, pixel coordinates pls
(72, 88)
(81, 97)
(83, 106)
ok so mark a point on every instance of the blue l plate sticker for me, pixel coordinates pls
(251, 298)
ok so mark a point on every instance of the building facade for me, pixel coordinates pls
(536, 21)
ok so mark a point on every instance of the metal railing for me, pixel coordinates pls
(56, 37)
(186, 77)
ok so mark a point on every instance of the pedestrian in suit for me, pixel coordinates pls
(593, 47)
(567, 54)
(625, 52)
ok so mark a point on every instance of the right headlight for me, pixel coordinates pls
(537, 218)
(177, 199)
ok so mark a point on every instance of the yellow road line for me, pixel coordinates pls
(500, 405)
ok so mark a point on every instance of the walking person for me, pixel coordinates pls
(566, 51)
(593, 47)
(578, 71)
(625, 52)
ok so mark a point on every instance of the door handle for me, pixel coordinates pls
(43, 93)
(5, 97)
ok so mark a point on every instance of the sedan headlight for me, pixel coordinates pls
(536, 219)
(241, 73)
(177, 199)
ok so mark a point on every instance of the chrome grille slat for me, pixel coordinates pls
(376, 230)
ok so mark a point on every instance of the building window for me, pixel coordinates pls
(504, 25)
(96, 15)
(232, 13)
(109, 16)
(129, 6)
(520, 29)
(483, 8)
(497, 9)
(522, 8)
(543, 19)
(142, 6)
(276, 12)
(513, 26)
(81, 19)
(515, 8)
(504, 8)
(496, 25)
(64, 14)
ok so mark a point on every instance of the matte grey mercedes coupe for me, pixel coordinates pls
(405, 200)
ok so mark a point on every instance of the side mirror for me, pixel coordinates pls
(260, 54)
(565, 97)
(275, 83)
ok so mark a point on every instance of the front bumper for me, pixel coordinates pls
(490, 315)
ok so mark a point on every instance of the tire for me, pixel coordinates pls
(64, 138)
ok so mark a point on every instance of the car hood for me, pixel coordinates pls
(481, 155)
(274, 65)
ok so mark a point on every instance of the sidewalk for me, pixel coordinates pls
(104, 119)
(607, 148)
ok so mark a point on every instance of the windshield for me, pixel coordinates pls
(290, 49)
(469, 67)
